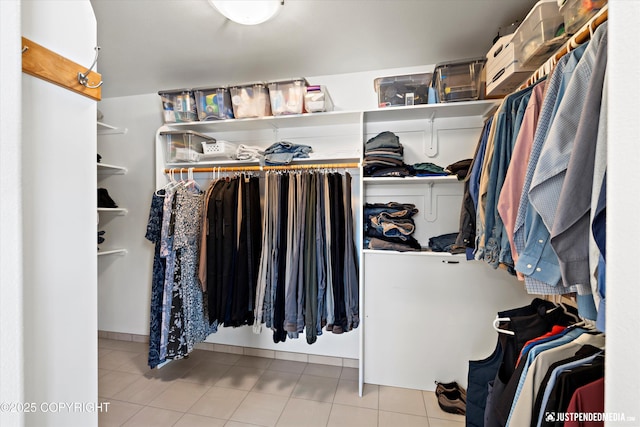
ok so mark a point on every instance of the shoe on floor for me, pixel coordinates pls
(452, 402)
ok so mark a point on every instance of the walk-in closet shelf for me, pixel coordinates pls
(104, 170)
(426, 314)
(411, 304)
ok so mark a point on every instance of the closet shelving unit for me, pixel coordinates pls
(421, 310)
(440, 131)
(105, 170)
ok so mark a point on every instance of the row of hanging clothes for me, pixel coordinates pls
(546, 370)
(225, 256)
(535, 197)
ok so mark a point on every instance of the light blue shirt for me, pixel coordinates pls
(537, 260)
(554, 376)
(566, 338)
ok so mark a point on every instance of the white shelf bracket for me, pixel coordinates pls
(430, 208)
(430, 147)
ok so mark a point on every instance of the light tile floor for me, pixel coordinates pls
(223, 389)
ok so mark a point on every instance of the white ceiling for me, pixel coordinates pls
(149, 45)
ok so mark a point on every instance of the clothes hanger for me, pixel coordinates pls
(169, 186)
(496, 322)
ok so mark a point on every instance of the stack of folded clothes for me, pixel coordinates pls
(383, 156)
(390, 226)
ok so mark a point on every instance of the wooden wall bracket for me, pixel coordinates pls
(38, 61)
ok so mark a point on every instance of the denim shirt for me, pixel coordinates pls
(503, 148)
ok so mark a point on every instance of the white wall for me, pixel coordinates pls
(58, 165)
(622, 389)
(124, 282)
(11, 328)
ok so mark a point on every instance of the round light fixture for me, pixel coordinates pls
(248, 12)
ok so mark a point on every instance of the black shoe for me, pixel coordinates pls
(104, 201)
(452, 402)
(451, 387)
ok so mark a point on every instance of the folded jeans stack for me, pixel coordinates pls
(282, 153)
(384, 156)
(390, 226)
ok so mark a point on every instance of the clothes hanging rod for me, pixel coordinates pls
(267, 168)
(582, 36)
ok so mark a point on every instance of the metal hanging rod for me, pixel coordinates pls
(268, 168)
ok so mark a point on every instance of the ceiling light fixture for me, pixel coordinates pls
(248, 12)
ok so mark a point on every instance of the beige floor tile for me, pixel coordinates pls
(218, 402)
(351, 416)
(116, 413)
(179, 396)
(190, 420)
(226, 358)
(261, 409)
(155, 417)
(254, 362)
(206, 372)
(135, 365)
(102, 372)
(307, 413)
(116, 358)
(114, 382)
(239, 424)
(323, 370)
(315, 388)
(434, 411)
(138, 347)
(240, 377)
(173, 370)
(436, 422)
(287, 366)
(395, 419)
(279, 383)
(347, 394)
(349, 374)
(403, 400)
(143, 390)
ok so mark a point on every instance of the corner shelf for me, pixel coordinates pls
(106, 129)
(117, 211)
(112, 252)
(107, 169)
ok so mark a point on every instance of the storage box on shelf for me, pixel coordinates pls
(540, 34)
(504, 72)
(459, 80)
(576, 13)
(184, 146)
(213, 103)
(317, 99)
(409, 89)
(287, 96)
(178, 105)
(218, 150)
(250, 100)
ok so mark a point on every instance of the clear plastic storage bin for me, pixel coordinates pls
(317, 99)
(250, 100)
(287, 96)
(459, 80)
(184, 146)
(178, 105)
(576, 13)
(213, 103)
(403, 90)
(540, 34)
